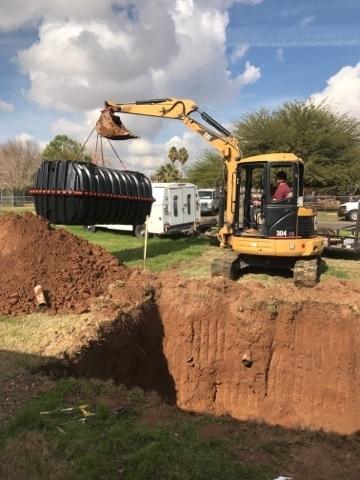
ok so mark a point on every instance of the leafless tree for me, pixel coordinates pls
(19, 160)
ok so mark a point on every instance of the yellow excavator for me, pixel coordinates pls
(262, 218)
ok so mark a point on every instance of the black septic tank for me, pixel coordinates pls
(79, 193)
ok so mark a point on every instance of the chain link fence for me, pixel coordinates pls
(10, 201)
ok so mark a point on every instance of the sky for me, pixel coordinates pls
(60, 59)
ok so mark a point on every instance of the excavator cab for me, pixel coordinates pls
(259, 209)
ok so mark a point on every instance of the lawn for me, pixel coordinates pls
(162, 253)
(192, 257)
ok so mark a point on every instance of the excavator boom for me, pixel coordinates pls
(181, 109)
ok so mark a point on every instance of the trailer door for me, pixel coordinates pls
(189, 204)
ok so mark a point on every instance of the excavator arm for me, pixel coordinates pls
(213, 132)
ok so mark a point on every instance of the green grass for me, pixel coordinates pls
(28, 340)
(112, 444)
(18, 210)
(162, 253)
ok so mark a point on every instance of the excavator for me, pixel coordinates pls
(257, 227)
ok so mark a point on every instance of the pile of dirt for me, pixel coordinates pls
(70, 270)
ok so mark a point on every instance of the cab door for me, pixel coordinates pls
(281, 215)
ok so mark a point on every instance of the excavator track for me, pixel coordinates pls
(306, 272)
(226, 266)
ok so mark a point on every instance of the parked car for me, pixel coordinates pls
(209, 200)
(349, 210)
(176, 209)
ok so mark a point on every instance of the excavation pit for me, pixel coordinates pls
(282, 355)
(303, 354)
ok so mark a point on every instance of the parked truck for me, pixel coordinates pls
(209, 201)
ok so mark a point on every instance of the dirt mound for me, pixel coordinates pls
(70, 270)
(190, 342)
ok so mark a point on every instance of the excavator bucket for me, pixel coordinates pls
(110, 126)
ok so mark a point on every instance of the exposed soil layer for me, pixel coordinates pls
(70, 270)
(285, 356)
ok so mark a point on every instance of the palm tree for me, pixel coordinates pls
(166, 173)
(183, 156)
(173, 155)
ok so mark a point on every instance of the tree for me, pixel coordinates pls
(328, 143)
(63, 147)
(166, 173)
(173, 155)
(206, 170)
(19, 161)
(183, 156)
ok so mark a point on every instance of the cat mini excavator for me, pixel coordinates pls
(256, 228)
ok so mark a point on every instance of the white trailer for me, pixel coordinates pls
(176, 209)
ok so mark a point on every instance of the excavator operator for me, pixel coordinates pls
(282, 190)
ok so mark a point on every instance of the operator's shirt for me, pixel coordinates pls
(282, 191)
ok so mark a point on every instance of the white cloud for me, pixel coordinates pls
(166, 51)
(6, 106)
(16, 13)
(343, 91)
(88, 52)
(24, 137)
(307, 20)
(250, 75)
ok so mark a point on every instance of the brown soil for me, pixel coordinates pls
(187, 339)
(69, 269)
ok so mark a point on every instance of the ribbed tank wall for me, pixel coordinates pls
(78, 193)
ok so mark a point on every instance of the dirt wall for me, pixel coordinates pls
(304, 357)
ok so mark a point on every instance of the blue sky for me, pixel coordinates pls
(59, 62)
